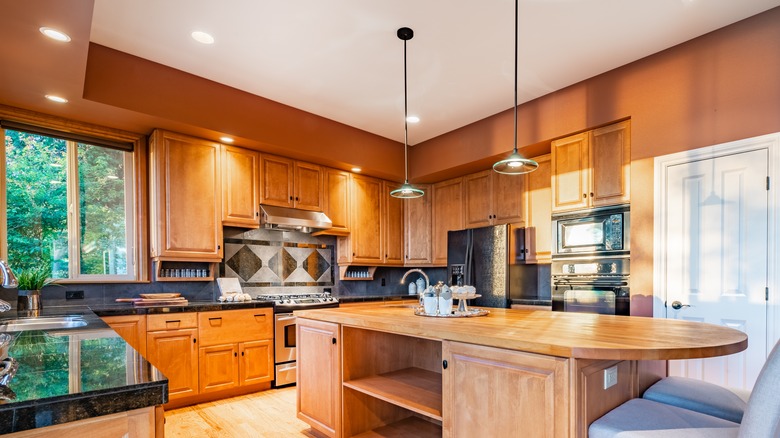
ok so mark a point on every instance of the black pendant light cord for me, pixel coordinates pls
(406, 122)
(516, 29)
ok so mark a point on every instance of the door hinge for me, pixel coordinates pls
(767, 183)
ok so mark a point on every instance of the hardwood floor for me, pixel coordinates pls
(264, 414)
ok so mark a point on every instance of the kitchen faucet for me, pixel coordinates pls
(9, 282)
(420, 271)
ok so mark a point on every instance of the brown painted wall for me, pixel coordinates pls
(717, 88)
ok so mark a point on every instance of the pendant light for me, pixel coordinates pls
(515, 164)
(406, 191)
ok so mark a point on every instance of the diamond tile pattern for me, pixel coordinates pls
(245, 263)
(316, 265)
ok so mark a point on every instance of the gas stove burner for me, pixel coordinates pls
(288, 302)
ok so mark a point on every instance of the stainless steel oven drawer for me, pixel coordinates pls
(286, 373)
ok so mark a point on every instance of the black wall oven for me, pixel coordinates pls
(590, 261)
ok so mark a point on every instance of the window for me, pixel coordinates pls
(69, 207)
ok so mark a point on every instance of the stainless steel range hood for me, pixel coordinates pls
(283, 218)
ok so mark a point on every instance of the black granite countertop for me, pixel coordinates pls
(193, 306)
(73, 374)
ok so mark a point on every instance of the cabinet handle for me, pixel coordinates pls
(591, 194)
(333, 341)
(584, 195)
(216, 319)
(257, 213)
(290, 198)
(296, 198)
(242, 354)
(219, 247)
(353, 254)
(235, 354)
(444, 364)
(172, 321)
(194, 341)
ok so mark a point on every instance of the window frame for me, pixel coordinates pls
(138, 211)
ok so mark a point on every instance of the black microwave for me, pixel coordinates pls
(603, 232)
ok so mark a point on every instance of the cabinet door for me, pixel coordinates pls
(319, 375)
(498, 393)
(508, 198)
(447, 215)
(417, 228)
(187, 204)
(336, 199)
(132, 328)
(240, 201)
(539, 210)
(175, 354)
(570, 173)
(366, 234)
(610, 158)
(277, 181)
(255, 362)
(477, 193)
(392, 226)
(307, 186)
(218, 367)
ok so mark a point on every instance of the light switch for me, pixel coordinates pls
(610, 377)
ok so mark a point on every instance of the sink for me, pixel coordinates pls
(42, 323)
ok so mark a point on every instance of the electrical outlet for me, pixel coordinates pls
(74, 295)
(610, 377)
(383, 282)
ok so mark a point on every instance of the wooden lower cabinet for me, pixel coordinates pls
(319, 383)
(132, 328)
(495, 392)
(138, 423)
(218, 367)
(175, 354)
(255, 362)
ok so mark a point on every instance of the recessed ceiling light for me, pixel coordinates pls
(412, 119)
(202, 37)
(55, 34)
(356, 169)
(57, 99)
(226, 139)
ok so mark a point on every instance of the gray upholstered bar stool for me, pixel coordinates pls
(699, 396)
(645, 418)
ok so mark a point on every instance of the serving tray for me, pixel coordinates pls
(474, 311)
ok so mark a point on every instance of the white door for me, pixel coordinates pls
(716, 254)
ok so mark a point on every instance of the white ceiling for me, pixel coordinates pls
(341, 59)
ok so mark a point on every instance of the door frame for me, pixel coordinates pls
(770, 142)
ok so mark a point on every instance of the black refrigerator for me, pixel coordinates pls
(492, 259)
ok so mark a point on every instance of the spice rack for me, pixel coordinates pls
(356, 272)
(166, 270)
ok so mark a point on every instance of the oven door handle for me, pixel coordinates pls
(589, 283)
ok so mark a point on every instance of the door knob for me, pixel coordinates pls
(676, 305)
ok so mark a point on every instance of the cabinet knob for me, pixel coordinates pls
(584, 195)
(257, 213)
(296, 198)
(235, 354)
(242, 354)
(291, 198)
(194, 341)
(591, 194)
(444, 364)
(333, 340)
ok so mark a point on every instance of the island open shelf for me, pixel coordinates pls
(415, 389)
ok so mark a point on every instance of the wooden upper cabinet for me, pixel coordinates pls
(417, 229)
(492, 198)
(307, 186)
(336, 199)
(240, 179)
(186, 195)
(289, 183)
(592, 169)
(610, 158)
(538, 213)
(364, 244)
(447, 215)
(570, 173)
(392, 225)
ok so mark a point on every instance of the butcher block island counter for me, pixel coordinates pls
(383, 371)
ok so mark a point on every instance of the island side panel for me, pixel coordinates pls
(319, 375)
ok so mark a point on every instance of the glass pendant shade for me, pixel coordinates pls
(406, 191)
(515, 164)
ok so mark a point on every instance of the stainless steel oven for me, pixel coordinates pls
(284, 330)
(591, 285)
(595, 233)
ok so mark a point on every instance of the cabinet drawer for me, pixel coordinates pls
(171, 321)
(229, 326)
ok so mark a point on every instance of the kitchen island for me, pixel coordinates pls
(383, 371)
